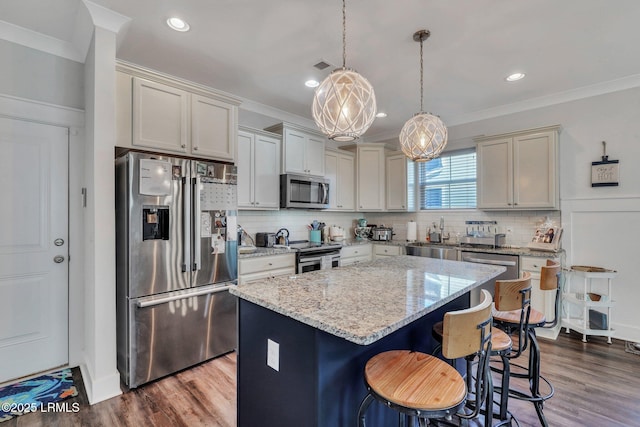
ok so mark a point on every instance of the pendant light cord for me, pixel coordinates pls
(421, 76)
(344, 33)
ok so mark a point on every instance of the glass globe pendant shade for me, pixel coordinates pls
(423, 137)
(344, 105)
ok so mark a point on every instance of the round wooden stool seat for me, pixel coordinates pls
(500, 341)
(513, 317)
(415, 380)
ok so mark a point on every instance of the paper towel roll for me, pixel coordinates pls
(412, 231)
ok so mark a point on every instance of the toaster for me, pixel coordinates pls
(265, 240)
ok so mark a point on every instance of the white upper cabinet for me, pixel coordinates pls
(340, 171)
(400, 172)
(160, 113)
(213, 128)
(302, 150)
(258, 170)
(519, 170)
(160, 116)
(370, 181)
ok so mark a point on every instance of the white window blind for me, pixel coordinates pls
(449, 181)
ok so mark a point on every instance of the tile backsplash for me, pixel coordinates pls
(519, 226)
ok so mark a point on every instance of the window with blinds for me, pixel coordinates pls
(448, 181)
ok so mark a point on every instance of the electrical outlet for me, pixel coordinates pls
(273, 355)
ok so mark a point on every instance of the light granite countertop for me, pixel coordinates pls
(363, 303)
(521, 251)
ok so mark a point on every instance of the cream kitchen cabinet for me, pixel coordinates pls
(381, 251)
(356, 254)
(258, 170)
(214, 126)
(264, 267)
(302, 150)
(159, 113)
(518, 170)
(400, 183)
(340, 171)
(370, 176)
(543, 301)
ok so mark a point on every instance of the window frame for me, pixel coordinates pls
(420, 185)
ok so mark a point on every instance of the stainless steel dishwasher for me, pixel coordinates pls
(511, 262)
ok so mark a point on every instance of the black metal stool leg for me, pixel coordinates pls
(364, 405)
(504, 384)
(534, 372)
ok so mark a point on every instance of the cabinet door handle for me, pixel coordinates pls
(195, 148)
(184, 145)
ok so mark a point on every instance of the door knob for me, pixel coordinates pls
(58, 242)
(58, 259)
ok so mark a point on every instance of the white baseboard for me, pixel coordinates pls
(99, 389)
(549, 333)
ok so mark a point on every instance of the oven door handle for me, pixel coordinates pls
(310, 260)
(489, 261)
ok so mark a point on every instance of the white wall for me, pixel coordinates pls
(32, 74)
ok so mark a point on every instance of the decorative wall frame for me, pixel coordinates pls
(605, 173)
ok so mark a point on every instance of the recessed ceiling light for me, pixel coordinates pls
(515, 77)
(381, 114)
(312, 83)
(178, 24)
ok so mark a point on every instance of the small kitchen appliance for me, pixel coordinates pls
(483, 233)
(265, 240)
(381, 233)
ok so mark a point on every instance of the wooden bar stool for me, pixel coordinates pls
(501, 346)
(423, 386)
(549, 276)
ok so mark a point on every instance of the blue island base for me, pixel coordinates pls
(320, 378)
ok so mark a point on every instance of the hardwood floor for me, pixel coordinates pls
(596, 384)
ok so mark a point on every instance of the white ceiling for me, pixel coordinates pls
(264, 50)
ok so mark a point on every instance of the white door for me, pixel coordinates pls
(33, 248)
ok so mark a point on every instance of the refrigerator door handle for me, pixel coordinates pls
(144, 304)
(197, 255)
(185, 226)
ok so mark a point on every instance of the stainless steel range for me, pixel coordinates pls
(315, 256)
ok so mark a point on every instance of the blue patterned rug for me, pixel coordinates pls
(36, 394)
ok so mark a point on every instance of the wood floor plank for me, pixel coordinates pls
(596, 384)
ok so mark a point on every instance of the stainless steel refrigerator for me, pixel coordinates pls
(176, 257)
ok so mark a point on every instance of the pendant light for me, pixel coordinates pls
(344, 105)
(424, 136)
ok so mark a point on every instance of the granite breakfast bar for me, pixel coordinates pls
(320, 328)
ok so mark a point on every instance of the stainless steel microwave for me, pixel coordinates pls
(303, 192)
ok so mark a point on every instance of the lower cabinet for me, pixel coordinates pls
(543, 301)
(381, 251)
(355, 254)
(264, 267)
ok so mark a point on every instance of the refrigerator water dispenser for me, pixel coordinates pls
(155, 223)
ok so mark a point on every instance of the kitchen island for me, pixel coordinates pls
(304, 339)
